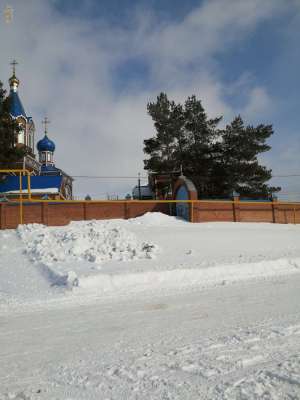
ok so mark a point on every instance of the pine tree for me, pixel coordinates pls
(166, 147)
(9, 152)
(241, 146)
(184, 138)
(201, 135)
(218, 161)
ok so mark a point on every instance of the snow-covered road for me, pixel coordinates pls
(151, 308)
(232, 342)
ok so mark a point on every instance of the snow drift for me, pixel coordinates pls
(92, 241)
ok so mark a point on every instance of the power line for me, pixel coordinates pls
(146, 177)
(107, 177)
(286, 176)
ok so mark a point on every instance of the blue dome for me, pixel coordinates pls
(45, 144)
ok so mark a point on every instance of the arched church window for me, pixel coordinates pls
(21, 137)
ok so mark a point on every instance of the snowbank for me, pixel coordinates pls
(157, 219)
(154, 252)
(188, 278)
(92, 241)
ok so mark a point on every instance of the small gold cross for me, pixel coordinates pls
(14, 63)
(45, 122)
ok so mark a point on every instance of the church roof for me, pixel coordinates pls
(49, 169)
(37, 183)
(16, 108)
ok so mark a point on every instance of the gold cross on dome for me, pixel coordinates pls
(14, 63)
(46, 122)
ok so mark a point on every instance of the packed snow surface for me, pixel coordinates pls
(150, 308)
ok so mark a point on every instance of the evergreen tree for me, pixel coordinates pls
(201, 135)
(241, 146)
(166, 147)
(184, 138)
(218, 161)
(9, 152)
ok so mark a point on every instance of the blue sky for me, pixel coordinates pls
(121, 11)
(92, 66)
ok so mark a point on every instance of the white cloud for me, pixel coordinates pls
(67, 71)
(259, 103)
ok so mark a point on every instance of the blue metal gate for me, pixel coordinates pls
(182, 209)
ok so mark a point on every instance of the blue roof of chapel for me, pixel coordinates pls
(49, 169)
(16, 107)
(40, 182)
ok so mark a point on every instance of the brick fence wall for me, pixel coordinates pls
(275, 212)
(54, 214)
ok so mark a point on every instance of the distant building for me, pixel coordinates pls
(142, 193)
(162, 184)
(46, 178)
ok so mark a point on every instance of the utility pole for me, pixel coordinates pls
(139, 185)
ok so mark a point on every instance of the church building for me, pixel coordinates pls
(47, 181)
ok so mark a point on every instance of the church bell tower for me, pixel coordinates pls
(17, 112)
(46, 148)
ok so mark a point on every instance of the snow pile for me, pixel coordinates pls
(157, 219)
(92, 241)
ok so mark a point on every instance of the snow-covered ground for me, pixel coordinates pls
(150, 308)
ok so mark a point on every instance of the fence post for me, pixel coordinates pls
(2, 216)
(84, 210)
(171, 209)
(274, 209)
(192, 212)
(45, 213)
(236, 208)
(233, 211)
(125, 210)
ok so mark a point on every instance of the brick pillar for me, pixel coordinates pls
(84, 210)
(45, 213)
(193, 195)
(191, 212)
(2, 216)
(126, 211)
(274, 209)
(236, 208)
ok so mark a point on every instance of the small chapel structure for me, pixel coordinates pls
(47, 181)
